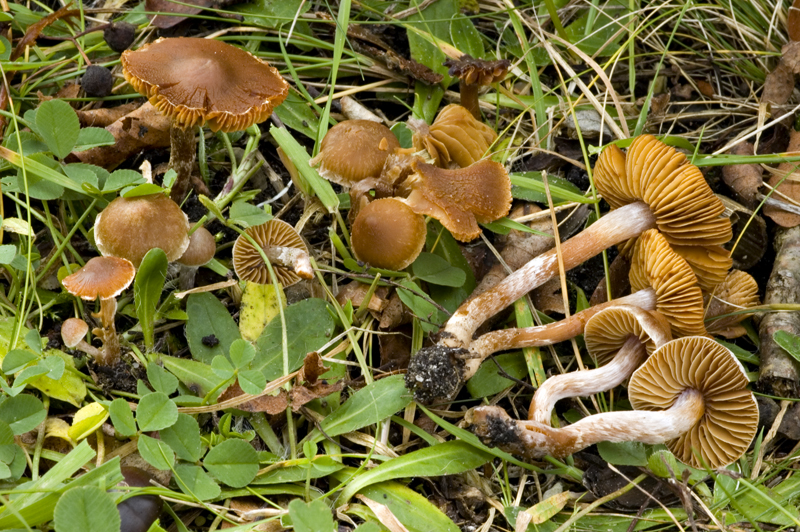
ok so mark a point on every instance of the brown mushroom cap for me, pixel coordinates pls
(197, 81)
(354, 150)
(477, 71)
(710, 264)
(461, 198)
(731, 414)
(202, 247)
(388, 234)
(103, 277)
(686, 210)
(247, 261)
(455, 136)
(130, 227)
(738, 291)
(73, 330)
(655, 264)
(607, 331)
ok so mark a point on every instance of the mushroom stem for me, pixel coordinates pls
(535, 440)
(181, 159)
(615, 227)
(469, 97)
(584, 383)
(291, 258)
(549, 334)
(111, 350)
(89, 349)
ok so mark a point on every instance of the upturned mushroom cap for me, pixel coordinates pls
(710, 264)
(388, 234)
(202, 247)
(73, 330)
(461, 198)
(608, 330)
(197, 81)
(101, 277)
(248, 263)
(455, 136)
(130, 227)
(354, 150)
(739, 291)
(477, 71)
(679, 298)
(686, 210)
(731, 414)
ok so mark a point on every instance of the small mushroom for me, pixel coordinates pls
(474, 73)
(104, 278)
(283, 247)
(388, 234)
(455, 136)
(200, 251)
(202, 81)
(130, 227)
(739, 291)
(461, 198)
(73, 332)
(354, 150)
(690, 394)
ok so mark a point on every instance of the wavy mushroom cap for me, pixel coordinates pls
(710, 264)
(739, 291)
(462, 198)
(73, 330)
(477, 71)
(248, 263)
(607, 331)
(678, 297)
(197, 81)
(388, 234)
(201, 249)
(130, 227)
(730, 420)
(455, 136)
(354, 150)
(101, 277)
(686, 210)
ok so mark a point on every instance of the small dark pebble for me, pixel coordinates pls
(119, 36)
(97, 81)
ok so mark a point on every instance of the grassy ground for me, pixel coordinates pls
(345, 446)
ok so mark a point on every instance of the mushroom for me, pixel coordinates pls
(669, 194)
(282, 246)
(354, 150)
(660, 278)
(691, 394)
(739, 291)
(388, 234)
(130, 227)
(73, 332)
(104, 278)
(454, 136)
(461, 198)
(472, 74)
(202, 81)
(201, 249)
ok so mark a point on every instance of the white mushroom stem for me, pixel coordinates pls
(536, 440)
(88, 348)
(291, 258)
(552, 333)
(615, 227)
(583, 383)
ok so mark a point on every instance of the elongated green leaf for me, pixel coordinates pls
(184, 438)
(412, 509)
(196, 376)
(448, 458)
(210, 329)
(147, 289)
(122, 417)
(369, 405)
(40, 170)
(92, 137)
(156, 452)
(789, 342)
(309, 326)
(300, 157)
(299, 469)
(531, 187)
(489, 380)
(436, 270)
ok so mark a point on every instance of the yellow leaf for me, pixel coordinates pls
(259, 305)
(87, 420)
(57, 428)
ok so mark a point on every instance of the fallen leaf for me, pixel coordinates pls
(105, 116)
(793, 21)
(790, 56)
(269, 404)
(779, 85)
(789, 187)
(705, 88)
(312, 368)
(744, 179)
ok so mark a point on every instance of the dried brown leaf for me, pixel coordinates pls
(312, 368)
(788, 187)
(779, 85)
(790, 56)
(744, 179)
(705, 88)
(269, 404)
(105, 116)
(793, 21)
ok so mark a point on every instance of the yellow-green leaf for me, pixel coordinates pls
(87, 420)
(259, 305)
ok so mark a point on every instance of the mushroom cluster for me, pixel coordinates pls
(460, 189)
